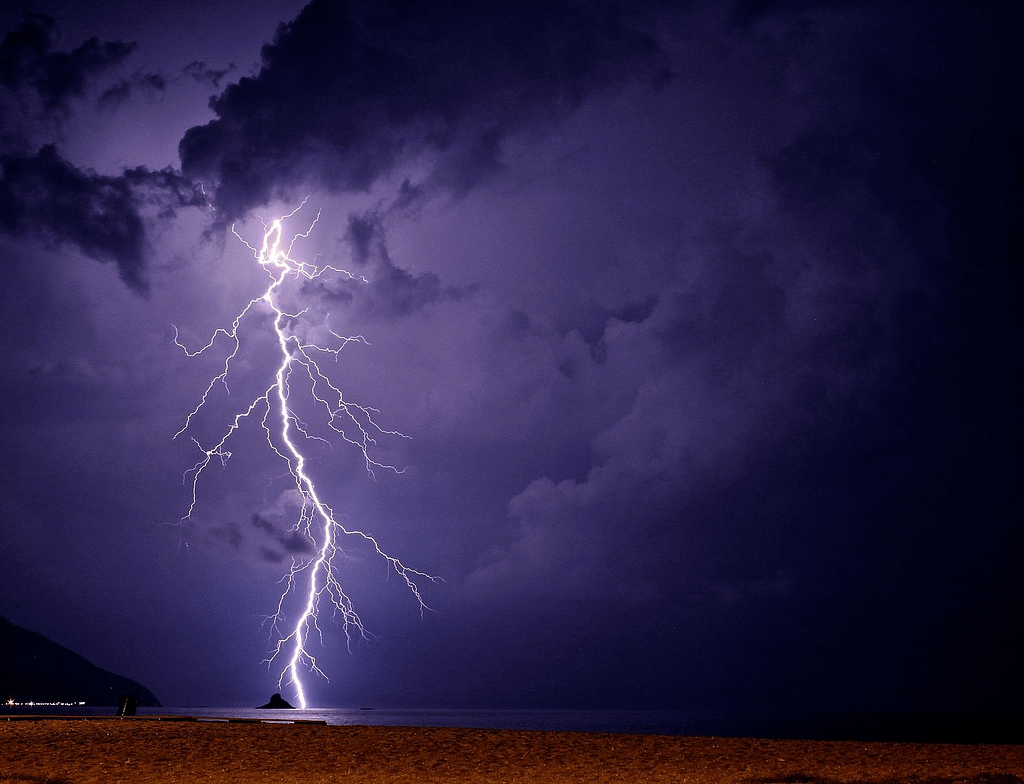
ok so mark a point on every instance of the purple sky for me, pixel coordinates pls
(701, 320)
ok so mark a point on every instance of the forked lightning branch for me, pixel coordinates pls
(313, 583)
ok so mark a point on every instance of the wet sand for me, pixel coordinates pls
(77, 751)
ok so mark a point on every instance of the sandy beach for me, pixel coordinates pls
(78, 751)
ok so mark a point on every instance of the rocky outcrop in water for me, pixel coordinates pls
(278, 702)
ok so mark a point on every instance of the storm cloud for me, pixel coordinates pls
(701, 322)
(29, 61)
(104, 216)
(108, 217)
(348, 91)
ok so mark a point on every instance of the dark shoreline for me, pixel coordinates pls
(877, 726)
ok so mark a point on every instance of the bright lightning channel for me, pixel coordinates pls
(315, 579)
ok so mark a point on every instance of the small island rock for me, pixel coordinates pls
(277, 701)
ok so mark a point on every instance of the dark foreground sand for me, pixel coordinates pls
(136, 750)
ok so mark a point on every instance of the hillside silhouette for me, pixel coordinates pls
(35, 669)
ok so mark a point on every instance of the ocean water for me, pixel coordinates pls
(900, 727)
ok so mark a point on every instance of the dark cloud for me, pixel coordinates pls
(230, 534)
(104, 216)
(365, 235)
(295, 543)
(28, 61)
(201, 73)
(392, 291)
(262, 524)
(349, 89)
(269, 555)
(289, 542)
(107, 217)
(734, 397)
(147, 83)
(805, 406)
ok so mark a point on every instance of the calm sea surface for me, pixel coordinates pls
(906, 727)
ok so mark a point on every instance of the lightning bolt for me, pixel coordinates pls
(315, 581)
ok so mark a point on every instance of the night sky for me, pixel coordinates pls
(702, 321)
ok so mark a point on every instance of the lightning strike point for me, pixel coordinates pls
(314, 583)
